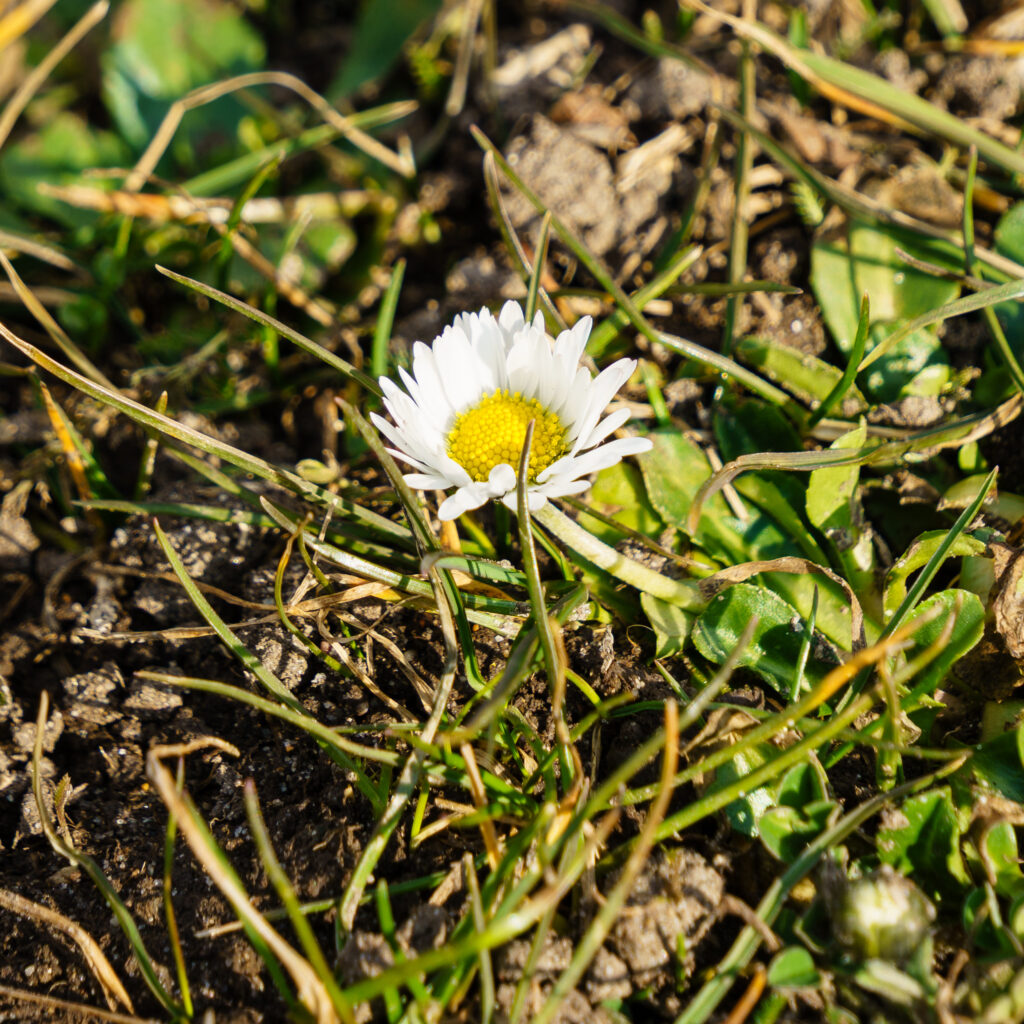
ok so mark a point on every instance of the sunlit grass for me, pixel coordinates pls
(739, 558)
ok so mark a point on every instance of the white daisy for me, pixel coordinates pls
(462, 419)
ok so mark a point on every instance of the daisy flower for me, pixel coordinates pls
(461, 420)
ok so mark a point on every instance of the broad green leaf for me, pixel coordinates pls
(55, 154)
(1010, 242)
(762, 539)
(998, 843)
(793, 967)
(833, 505)
(989, 938)
(916, 364)
(747, 426)
(384, 27)
(864, 259)
(803, 784)
(787, 831)
(775, 647)
(999, 716)
(670, 623)
(161, 50)
(998, 765)
(806, 376)
(619, 492)
(916, 556)
(922, 840)
(673, 472)
(746, 811)
(968, 628)
(1000, 503)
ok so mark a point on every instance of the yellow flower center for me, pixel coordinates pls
(494, 430)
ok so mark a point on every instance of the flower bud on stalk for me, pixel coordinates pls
(881, 916)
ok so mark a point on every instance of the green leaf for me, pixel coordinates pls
(746, 426)
(833, 505)
(56, 154)
(162, 49)
(673, 472)
(923, 841)
(775, 646)
(998, 765)
(1009, 239)
(918, 555)
(671, 625)
(1003, 504)
(383, 29)
(809, 378)
(793, 967)
(619, 492)
(968, 628)
(787, 831)
(999, 845)
(991, 939)
(916, 364)
(844, 267)
(746, 811)
(803, 784)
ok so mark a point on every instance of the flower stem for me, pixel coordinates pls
(678, 592)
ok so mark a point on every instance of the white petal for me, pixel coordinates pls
(501, 479)
(415, 463)
(465, 498)
(457, 363)
(511, 316)
(450, 468)
(602, 390)
(632, 445)
(424, 369)
(608, 454)
(570, 344)
(576, 401)
(427, 481)
(563, 488)
(607, 426)
(535, 500)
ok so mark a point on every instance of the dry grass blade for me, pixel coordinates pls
(309, 987)
(921, 444)
(341, 652)
(172, 428)
(28, 88)
(476, 787)
(90, 1013)
(318, 309)
(615, 901)
(20, 19)
(869, 94)
(162, 209)
(35, 306)
(43, 252)
(94, 956)
(401, 164)
(72, 456)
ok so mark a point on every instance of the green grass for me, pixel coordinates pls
(776, 522)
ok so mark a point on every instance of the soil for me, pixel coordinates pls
(616, 151)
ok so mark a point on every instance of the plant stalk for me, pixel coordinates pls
(682, 593)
